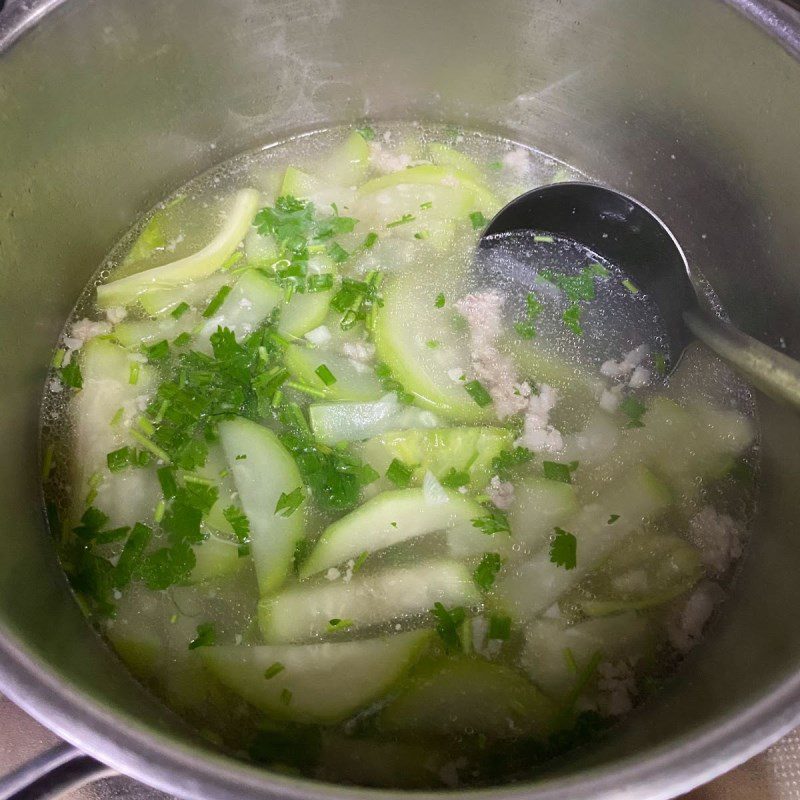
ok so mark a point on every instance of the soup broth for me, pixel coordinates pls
(364, 504)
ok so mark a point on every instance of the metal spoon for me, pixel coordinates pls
(633, 238)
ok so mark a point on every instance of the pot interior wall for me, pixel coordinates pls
(106, 106)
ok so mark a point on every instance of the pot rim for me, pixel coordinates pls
(123, 742)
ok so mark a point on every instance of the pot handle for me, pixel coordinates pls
(18, 16)
(52, 774)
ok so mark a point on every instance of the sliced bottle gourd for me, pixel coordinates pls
(215, 558)
(348, 163)
(440, 451)
(304, 612)
(353, 381)
(409, 321)
(353, 422)
(302, 690)
(444, 156)
(133, 333)
(249, 303)
(452, 193)
(530, 587)
(556, 655)
(323, 194)
(196, 294)
(469, 696)
(130, 495)
(389, 519)
(263, 470)
(307, 310)
(642, 572)
(204, 262)
(539, 505)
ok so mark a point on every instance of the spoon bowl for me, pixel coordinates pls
(630, 236)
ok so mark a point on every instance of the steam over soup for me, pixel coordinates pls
(370, 506)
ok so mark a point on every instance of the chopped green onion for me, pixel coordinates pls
(543, 238)
(274, 669)
(319, 283)
(133, 376)
(359, 562)
(369, 240)
(439, 301)
(630, 286)
(426, 205)
(117, 460)
(599, 270)
(232, 260)
(612, 519)
(305, 388)
(151, 446)
(476, 390)
(58, 357)
(339, 624)
(47, 461)
(421, 235)
(117, 418)
(216, 302)
(337, 253)
(478, 220)
(660, 363)
(325, 375)
(179, 310)
(367, 133)
(182, 339)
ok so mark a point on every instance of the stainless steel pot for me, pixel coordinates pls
(693, 106)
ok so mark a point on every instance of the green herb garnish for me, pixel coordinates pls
(487, 570)
(505, 463)
(571, 318)
(406, 218)
(477, 391)
(206, 636)
(634, 409)
(447, 625)
(454, 478)
(71, 375)
(564, 549)
(499, 627)
(367, 133)
(369, 240)
(630, 286)
(216, 302)
(478, 220)
(179, 310)
(612, 519)
(399, 473)
(493, 522)
(556, 471)
(325, 375)
(273, 669)
(439, 301)
(339, 624)
(289, 503)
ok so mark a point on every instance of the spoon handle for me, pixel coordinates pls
(774, 373)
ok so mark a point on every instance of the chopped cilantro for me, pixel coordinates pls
(499, 627)
(406, 218)
(599, 270)
(289, 503)
(571, 318)
(182, 339)
(612, 519)
(447, 625)
(206, 636)
(71, 375)
(273, 669)
(506, 462)
(564, 549)
(238, 521)
(179, 310)
(493, 522)
(432, 344)
(533, 308)
(556, 471)
(455, 478)
(477, 391)
(337, 253)
(495, 165)
(132, 554)
(576, 287)
(367, 133)
(325, 375)
(439, 301)
(358, 300)
(158, 351)
(216, 302)
(487, 570)
(478, 220)
(634, 409)
(369, 240)
(399, 473)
